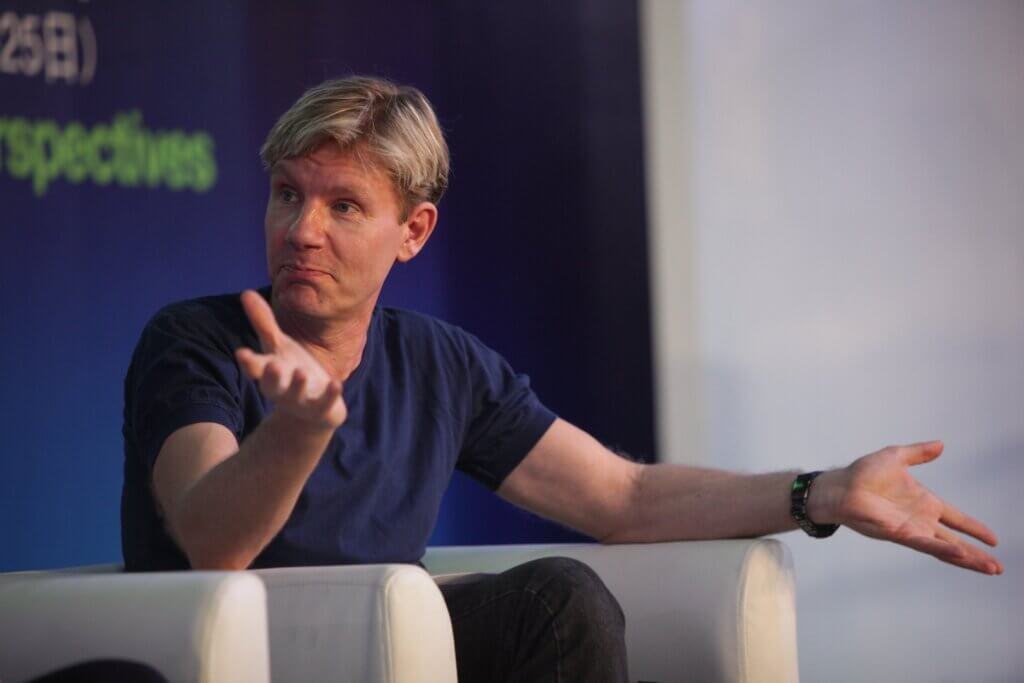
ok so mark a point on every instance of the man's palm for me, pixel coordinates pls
(882, 500)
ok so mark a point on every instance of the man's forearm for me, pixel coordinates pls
(677, 502)
(227, 517)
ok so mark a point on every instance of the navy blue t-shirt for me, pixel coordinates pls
(426, 398)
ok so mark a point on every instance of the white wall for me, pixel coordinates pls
(837, 203)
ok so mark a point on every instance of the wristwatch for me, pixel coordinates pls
(798, 496)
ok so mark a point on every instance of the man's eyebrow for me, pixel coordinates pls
(345, 189)
(280, 174)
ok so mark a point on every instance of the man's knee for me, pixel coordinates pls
(574, 591)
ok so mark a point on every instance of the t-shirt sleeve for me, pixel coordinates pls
(180, 374)
(505, 421)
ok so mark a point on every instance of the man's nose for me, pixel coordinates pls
(307, 230)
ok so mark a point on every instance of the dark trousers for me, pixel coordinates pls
(551, 619)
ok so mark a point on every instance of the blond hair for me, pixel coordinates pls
(394, 123)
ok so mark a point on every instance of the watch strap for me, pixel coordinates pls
(799, 493)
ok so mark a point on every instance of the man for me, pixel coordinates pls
(304, 424)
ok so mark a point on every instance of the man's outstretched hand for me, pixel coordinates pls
(288, 374)
(877, 496)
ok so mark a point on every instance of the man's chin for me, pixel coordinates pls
(299, 297)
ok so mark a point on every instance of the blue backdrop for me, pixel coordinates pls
(129, 178)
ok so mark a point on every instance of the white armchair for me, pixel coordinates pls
(189, 626)
(696, 611)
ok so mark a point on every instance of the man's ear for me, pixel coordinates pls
(418, 228)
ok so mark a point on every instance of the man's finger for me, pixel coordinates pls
(297, 389)
(331, 393)
(955, 519)
(273, 380)
(252, 363)
(330, 405)
(973, 557)
(920, 453)
(955, 552)
(943, 550)
(261, 315)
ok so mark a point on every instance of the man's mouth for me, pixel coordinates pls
(300, 271)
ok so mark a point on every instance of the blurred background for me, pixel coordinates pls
(747, 235)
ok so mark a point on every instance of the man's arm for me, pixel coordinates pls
(223, 503)
(571, 478)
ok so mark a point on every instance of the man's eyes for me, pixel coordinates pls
(287, 195)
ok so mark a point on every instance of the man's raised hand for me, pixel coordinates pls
(287, 373)
(878, 497)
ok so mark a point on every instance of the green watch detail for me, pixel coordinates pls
(800, 492)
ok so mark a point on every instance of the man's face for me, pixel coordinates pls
(333, 233)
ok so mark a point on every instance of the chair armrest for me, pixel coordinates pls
(189, 626)
(384, 623)
(695, 611)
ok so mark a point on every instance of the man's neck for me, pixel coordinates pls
(337, 344)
